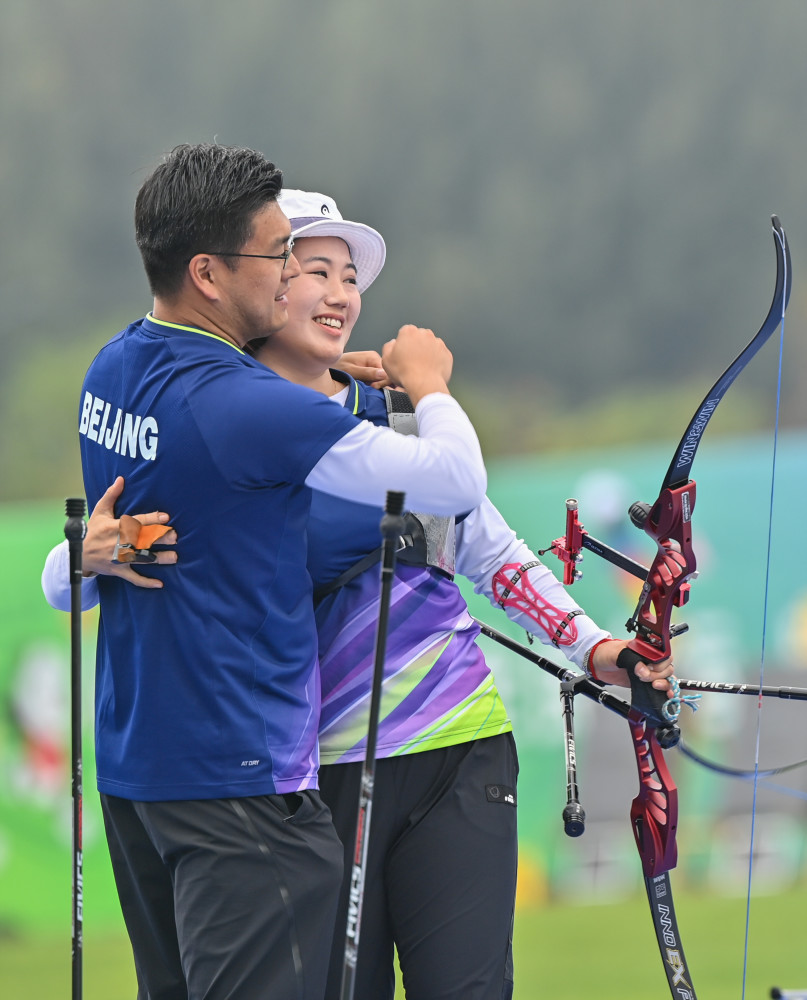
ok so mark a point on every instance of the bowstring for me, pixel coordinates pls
(766, 598)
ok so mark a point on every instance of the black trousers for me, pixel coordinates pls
(441, 872)
(227, 899)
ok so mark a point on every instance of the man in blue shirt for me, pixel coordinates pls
(207, 696)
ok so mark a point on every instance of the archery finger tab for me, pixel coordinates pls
(135, 540)
(151, 533)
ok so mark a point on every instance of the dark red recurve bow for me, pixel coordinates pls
(654, 812)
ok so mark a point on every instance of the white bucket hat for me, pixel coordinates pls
(315, 214)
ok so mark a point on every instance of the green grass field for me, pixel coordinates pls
(573, 952)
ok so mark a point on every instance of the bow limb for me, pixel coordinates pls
(669, 520)
(684, 456)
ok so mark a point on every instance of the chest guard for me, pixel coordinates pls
(428, 540)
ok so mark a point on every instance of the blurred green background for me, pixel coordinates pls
(576, 196)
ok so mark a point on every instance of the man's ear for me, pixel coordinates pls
(203, 271)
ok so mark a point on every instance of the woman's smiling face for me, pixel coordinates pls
(323, 302)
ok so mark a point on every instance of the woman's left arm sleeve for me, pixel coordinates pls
(503, 568)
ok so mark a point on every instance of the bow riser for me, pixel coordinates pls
(654, 811)
(666, 586)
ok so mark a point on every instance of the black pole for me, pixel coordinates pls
(584, 685)
(724, 687)
(594, 689)
(392, 527)
(74, 531)
(574, 815)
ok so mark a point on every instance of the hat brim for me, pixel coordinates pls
(367, 248)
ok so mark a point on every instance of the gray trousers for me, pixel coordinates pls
(227, 899)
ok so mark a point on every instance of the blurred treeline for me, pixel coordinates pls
(575, 193)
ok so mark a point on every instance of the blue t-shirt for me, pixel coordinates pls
(207, 688)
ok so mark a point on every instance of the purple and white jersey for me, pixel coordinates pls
(437, 690)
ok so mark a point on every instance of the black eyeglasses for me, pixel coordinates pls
(264, 256)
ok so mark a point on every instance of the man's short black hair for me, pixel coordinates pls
(200, 198)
